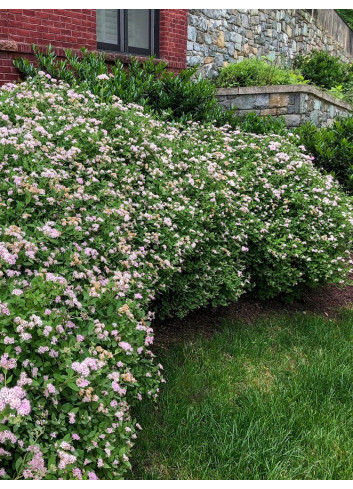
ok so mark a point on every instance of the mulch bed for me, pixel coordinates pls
(326, 301)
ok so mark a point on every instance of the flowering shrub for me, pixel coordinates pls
(107, 214)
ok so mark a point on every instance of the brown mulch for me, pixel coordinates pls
(325, 301)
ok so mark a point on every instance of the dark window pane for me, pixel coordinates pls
(138, 26)
(107, 26)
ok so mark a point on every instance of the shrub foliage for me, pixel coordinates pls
(323, 69)
(108, 214)
(179, 98)
(147, 83)
(332, 148)
(255, 72)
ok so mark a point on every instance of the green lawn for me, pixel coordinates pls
(267, 401)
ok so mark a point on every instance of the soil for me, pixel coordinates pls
(326, 301)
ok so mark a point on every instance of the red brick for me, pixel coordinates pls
(74, 28)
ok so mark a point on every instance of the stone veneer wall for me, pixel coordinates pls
(296, 103)
(219, 37)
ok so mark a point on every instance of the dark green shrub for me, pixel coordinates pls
(149, 83)
(332, 148)
(343, 92)
(323, 70)
(261, 124)
(178, 98)
(255, 72)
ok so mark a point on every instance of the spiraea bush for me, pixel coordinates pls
(108, 215)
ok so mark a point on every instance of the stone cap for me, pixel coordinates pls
(221, 92)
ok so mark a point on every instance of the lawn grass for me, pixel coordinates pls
(267, 401)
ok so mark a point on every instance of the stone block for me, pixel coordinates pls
(208, 39)
(231, 49)
(200, 38)
(262, 100)
(279, 99)
(243, 102)
(246, 49)
(236, 37)
(282, 110)
(269, 111)
(198, 21)
(220, 40)
(8, 45)
(218, 60)
(317, 104)
(315, 116)
(194, 60)
(192, 33)
(244, 21)
(292, 120)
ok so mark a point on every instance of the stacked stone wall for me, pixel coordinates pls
(296, 103)
(217, 38)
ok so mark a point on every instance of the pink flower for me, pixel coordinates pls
(77, 473)
(81, 382)
(125, 346)
(92, 476)
(17, 292)
(4, 309)
(7, 363)
(51, 389)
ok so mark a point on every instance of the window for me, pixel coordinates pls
(134, 31)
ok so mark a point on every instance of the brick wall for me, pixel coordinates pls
(173, 37)
(66, 28)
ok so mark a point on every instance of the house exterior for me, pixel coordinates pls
(121, 33)
(208, 38)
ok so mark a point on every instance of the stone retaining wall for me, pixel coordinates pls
(219, 37)
(296, 103)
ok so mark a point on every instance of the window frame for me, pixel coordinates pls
(122, 45)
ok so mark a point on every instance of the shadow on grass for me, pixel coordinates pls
(273, 400)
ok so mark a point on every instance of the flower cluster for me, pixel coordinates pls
(107, 216)
(15, 399)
